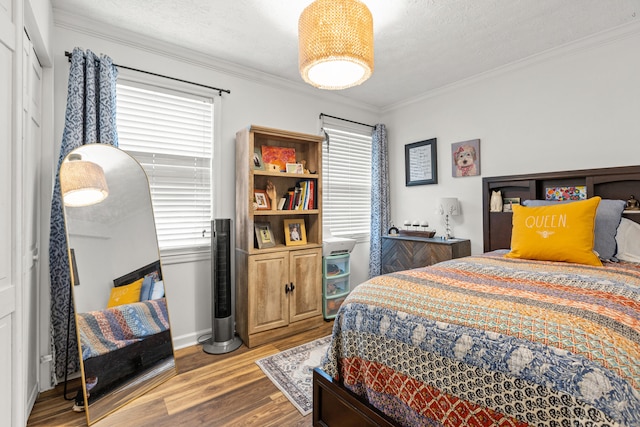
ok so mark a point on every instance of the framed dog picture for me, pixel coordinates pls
(465, 158)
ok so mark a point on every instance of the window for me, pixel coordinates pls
(171, 135)
(346, 175)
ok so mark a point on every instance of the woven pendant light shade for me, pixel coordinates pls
(335, 44)
(82, 183)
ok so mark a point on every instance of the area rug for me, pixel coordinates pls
(292, 371)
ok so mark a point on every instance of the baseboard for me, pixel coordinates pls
(188, 340)
(31, 401)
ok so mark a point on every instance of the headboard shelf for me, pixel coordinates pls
(608, 183)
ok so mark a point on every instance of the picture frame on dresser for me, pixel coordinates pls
(421, 162)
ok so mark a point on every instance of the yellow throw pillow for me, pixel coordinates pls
(564, 232)
(125, 294)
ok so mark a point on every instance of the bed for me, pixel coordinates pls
(130, 336)
(502, 338)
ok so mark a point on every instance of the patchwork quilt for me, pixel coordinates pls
(491, 341)
(116, 327)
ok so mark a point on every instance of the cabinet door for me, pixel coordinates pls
(268, 303)
(305, 272)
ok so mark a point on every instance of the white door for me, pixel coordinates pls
(31, 156)
(8, 80)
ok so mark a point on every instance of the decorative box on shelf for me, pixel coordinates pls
(416, 233)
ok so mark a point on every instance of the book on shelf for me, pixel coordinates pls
(281, 203)
(312, 196)
(301, 197)
(291, 196)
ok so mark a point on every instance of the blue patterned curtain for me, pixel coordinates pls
(90, 118)
(380, 203)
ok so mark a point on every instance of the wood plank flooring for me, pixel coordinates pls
(210, 390)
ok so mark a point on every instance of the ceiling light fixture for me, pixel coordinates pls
(82, 183)
(335, 44)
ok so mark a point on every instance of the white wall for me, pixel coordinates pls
(254, 99)
(576, 107)
(104, 252)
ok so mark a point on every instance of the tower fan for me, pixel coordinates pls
(223, 338)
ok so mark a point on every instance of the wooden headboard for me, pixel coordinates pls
(138, 274)
(608, 183)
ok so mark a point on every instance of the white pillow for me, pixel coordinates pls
(628, 240)
(158, 290)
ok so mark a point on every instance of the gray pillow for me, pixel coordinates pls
(608, 218)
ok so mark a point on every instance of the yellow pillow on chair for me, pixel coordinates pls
(563, 232)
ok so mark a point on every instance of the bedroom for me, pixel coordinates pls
(569, 108)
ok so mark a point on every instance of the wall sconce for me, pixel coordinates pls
(448, 206)
(82, 183)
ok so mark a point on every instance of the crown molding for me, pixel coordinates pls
(76, 23)
(572, 48)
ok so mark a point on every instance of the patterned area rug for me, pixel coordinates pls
(292, 371)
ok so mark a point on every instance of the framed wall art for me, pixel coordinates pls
(465, 158)
(278, 156)
(421, 162)
(295, 232)
(577, 192)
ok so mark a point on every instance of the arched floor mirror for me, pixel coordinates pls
(118, 288)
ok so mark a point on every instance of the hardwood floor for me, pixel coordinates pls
(210, 390)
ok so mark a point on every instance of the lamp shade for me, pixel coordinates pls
(82, 183)
(335, 44)
(448, 206)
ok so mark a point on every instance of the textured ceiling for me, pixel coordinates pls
(420, 45)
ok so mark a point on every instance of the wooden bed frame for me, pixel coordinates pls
(334, 405)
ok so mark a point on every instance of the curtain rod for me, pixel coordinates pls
(345, 120)
(69, 55)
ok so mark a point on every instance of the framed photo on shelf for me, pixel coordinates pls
(508, 202)
(295, 168)
(264, 235)
(295, 232)
(421, 163)
(257, 162)
(262, 200)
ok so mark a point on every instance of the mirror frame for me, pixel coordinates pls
(149, 367)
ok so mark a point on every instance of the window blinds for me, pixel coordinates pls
(346, 175)
(171, 136)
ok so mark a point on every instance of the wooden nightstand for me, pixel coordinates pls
(406, 252)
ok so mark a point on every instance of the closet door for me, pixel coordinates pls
(31, 148)
(8, 80)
